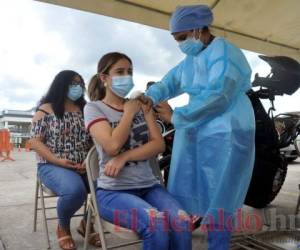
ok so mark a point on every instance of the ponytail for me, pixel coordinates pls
(96, 89)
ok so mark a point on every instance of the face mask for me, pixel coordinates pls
(121, 85)
(75, 92)
(191, 46)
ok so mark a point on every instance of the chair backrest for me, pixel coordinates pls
(92, 166)
(156, 170)
(92, 169)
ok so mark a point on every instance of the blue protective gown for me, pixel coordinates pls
(213, 150)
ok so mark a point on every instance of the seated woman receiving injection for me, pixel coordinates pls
(126, 137)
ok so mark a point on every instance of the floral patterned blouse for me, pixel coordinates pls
(66, 137)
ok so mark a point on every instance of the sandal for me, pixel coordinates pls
(94, 238)
(196, 221)
(65, 240)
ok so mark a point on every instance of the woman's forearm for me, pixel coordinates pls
(41, 149)
(155, 146)
(120, 134)
(114, 138)
(144, 152)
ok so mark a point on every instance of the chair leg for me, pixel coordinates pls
(101, 231)
(87, 228)
(35, 205)
(44, 217)
(298, 203)
(85, 206)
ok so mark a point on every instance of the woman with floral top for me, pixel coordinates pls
(62, 143)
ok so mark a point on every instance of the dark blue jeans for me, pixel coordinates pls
(152, 212)
(70, 186)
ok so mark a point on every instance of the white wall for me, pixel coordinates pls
(15, 119)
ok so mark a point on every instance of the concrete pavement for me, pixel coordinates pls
(17, 185)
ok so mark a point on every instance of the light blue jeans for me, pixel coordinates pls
(219, 239)
(70, 186)
(152, 212)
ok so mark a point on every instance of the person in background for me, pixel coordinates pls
(126, 138)
(213, 149)
(62, 143)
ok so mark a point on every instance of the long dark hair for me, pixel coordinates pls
(96, 88)
(58, 91)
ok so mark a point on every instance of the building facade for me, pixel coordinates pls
(18, 123)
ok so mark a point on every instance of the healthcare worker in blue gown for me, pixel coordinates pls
(213, 152)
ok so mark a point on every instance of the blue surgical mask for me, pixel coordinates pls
(75, 92)
(191, 46)
(121, 85)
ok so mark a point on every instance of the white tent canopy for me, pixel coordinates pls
(270, 27)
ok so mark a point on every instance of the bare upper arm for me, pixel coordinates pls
(102, 132)
(40, 114)
(154, 131)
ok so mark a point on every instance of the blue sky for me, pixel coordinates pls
(38, 40)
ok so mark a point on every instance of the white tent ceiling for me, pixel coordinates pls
(270, 27)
